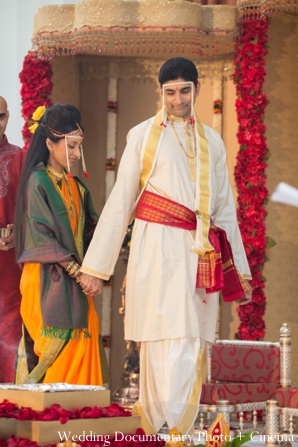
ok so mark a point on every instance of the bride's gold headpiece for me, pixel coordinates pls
(37, 116)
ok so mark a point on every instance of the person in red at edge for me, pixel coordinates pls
(11, 162)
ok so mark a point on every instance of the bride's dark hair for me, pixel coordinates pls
(63, 118)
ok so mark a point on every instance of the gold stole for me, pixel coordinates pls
(201, 244)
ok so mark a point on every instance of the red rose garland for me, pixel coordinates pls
(56, 413)
(36, 80)
(250, 170)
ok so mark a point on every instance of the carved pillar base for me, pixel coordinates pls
(127, 394)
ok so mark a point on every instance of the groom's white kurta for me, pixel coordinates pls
(163, 308)
(161, 299)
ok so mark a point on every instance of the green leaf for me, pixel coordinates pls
(236, 336)
(270, 242)
(266, 201)
(268, 155)
(263, 278)
(254, 41)
(266, 258)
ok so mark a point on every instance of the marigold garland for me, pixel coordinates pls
(250, 170)
(36, 80)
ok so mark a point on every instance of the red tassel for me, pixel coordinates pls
(192, 120)
(86, 174)
(163, 124)
(69, 175)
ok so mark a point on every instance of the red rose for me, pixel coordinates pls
(36, 87)
(250, 169)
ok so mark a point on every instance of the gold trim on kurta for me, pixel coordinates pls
(203, 212)
(191, 144)
(151, 146)
(94, 273)
(246, 276)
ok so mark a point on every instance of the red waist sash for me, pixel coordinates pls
(216, 270)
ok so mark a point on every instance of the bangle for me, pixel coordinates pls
(73, 270)
(69, 266)
(78, 278)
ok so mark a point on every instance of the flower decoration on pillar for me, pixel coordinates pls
(250, 170)
(36, 81)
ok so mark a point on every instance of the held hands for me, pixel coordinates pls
(90, 284)
(6, 243)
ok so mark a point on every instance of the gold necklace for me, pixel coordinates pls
(181, 145)
(58, 177)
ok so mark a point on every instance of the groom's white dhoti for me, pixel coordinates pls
(170, 362)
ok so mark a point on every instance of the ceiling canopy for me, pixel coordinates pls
(146, 28)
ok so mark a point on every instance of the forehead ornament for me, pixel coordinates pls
(176, 84)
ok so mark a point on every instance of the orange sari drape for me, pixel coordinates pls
(79, 360)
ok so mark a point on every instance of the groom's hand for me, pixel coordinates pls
(90, 284)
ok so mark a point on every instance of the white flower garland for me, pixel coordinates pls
(217, 103)
(111, 135)
(109, 183)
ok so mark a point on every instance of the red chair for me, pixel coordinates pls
(242, 376)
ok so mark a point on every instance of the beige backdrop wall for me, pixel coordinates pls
(282, 137)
